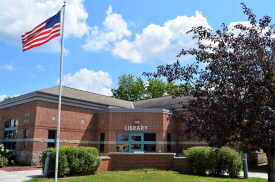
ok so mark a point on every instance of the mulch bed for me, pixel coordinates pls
(20, 168)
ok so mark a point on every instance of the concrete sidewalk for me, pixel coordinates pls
(19, 176)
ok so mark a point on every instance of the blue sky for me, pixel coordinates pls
(105, 39)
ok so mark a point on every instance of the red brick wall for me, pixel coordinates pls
(71, 126)
(105, 165)
(18, 112)
(127, 162)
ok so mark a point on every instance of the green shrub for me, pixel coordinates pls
(214, 161)
(3, 161)
(198, 159)
(72, 160)
(8, 154)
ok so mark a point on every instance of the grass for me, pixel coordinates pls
(151, 175)
(258, 169)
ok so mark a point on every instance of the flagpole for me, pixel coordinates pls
(60, 91)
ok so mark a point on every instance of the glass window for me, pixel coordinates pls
(122, 148)
(136, 146)
(15, 134)
(5, 145)
(169, 142)
(169, 148)
(12, 123)
(149, 137)
(51, 134)
(6, 135)
(102, 137)
(101, 147)
(51, 145)
(10, 134)
(122, 136)
(150, 147)
(7, 124)
(25, 133)
(51, 138)
(24, 146)
(101, 142)
(16, 123)
(136, 138)
(13, 147)
(168, 137)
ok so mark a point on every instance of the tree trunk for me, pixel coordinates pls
(270, 167)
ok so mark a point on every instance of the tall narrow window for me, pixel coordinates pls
(101, 142)
(51, 138)
(10, 134)
(169, 142)
(25, 136)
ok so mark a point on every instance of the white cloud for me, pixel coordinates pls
(161, 42)
(19, 17)
(8, 66)
(115, 28)
(156, 42)
(237, 31)
(40, 67)
(2, 97)
(89, 80)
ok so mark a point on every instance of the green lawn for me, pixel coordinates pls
(258, 169)
(151, 175)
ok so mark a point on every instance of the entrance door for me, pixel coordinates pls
(136, 142)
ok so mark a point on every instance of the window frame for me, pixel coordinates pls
(101, 143)
(142, 142)
(51, 140)
(10, 142)
(169, 143)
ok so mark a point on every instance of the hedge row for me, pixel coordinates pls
(72, 160)
(214, 161)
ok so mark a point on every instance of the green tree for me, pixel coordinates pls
(7, 98)
(129, 88)
(133, 89)
(234, 96)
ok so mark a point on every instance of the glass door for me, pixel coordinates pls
(136, 142)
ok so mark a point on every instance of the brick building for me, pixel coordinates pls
(28, 124)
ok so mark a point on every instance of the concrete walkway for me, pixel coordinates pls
(19, 176)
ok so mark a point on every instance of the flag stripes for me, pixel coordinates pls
(42, 33)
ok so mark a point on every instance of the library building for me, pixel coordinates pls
(28, 124)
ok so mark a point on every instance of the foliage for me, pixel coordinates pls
(135, 89)
(3, 161)
(152, 175)
(129, 88)
(214, 161)
(198, 159)
(234, 96)
(72, 160)
(7, 98)
(7, 154)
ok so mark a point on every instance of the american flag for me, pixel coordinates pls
(43, 33)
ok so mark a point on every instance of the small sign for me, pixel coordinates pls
(134, 128)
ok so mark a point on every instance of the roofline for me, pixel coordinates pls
(131, 110)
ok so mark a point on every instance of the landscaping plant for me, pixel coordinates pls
(72, 160)
(215, 161)
(6, 154)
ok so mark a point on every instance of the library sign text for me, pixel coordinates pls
(144, 128)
